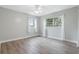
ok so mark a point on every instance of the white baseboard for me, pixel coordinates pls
(73, 41)
(78, 45)
(17, 38)
(55, 38)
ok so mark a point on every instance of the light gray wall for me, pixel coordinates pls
(78, 28)
(13, 24)
(70, 22)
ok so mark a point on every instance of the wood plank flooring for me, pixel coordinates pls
(0, 48)
(38, 45)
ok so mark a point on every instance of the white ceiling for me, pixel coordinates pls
(45, 9)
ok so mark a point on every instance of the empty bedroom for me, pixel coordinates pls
(39, 29)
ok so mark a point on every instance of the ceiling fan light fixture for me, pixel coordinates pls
(37, 9)
(37, 12)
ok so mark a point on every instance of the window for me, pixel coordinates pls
(32, 24)
(55, 21)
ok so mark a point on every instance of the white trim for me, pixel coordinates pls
(73, 41)
(8, 40)
(55, 38)
(12, 39)
(77, 44)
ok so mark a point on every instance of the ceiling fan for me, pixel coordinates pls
(38, 9)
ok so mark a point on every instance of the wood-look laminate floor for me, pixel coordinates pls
(38, 45)
(0, 48)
